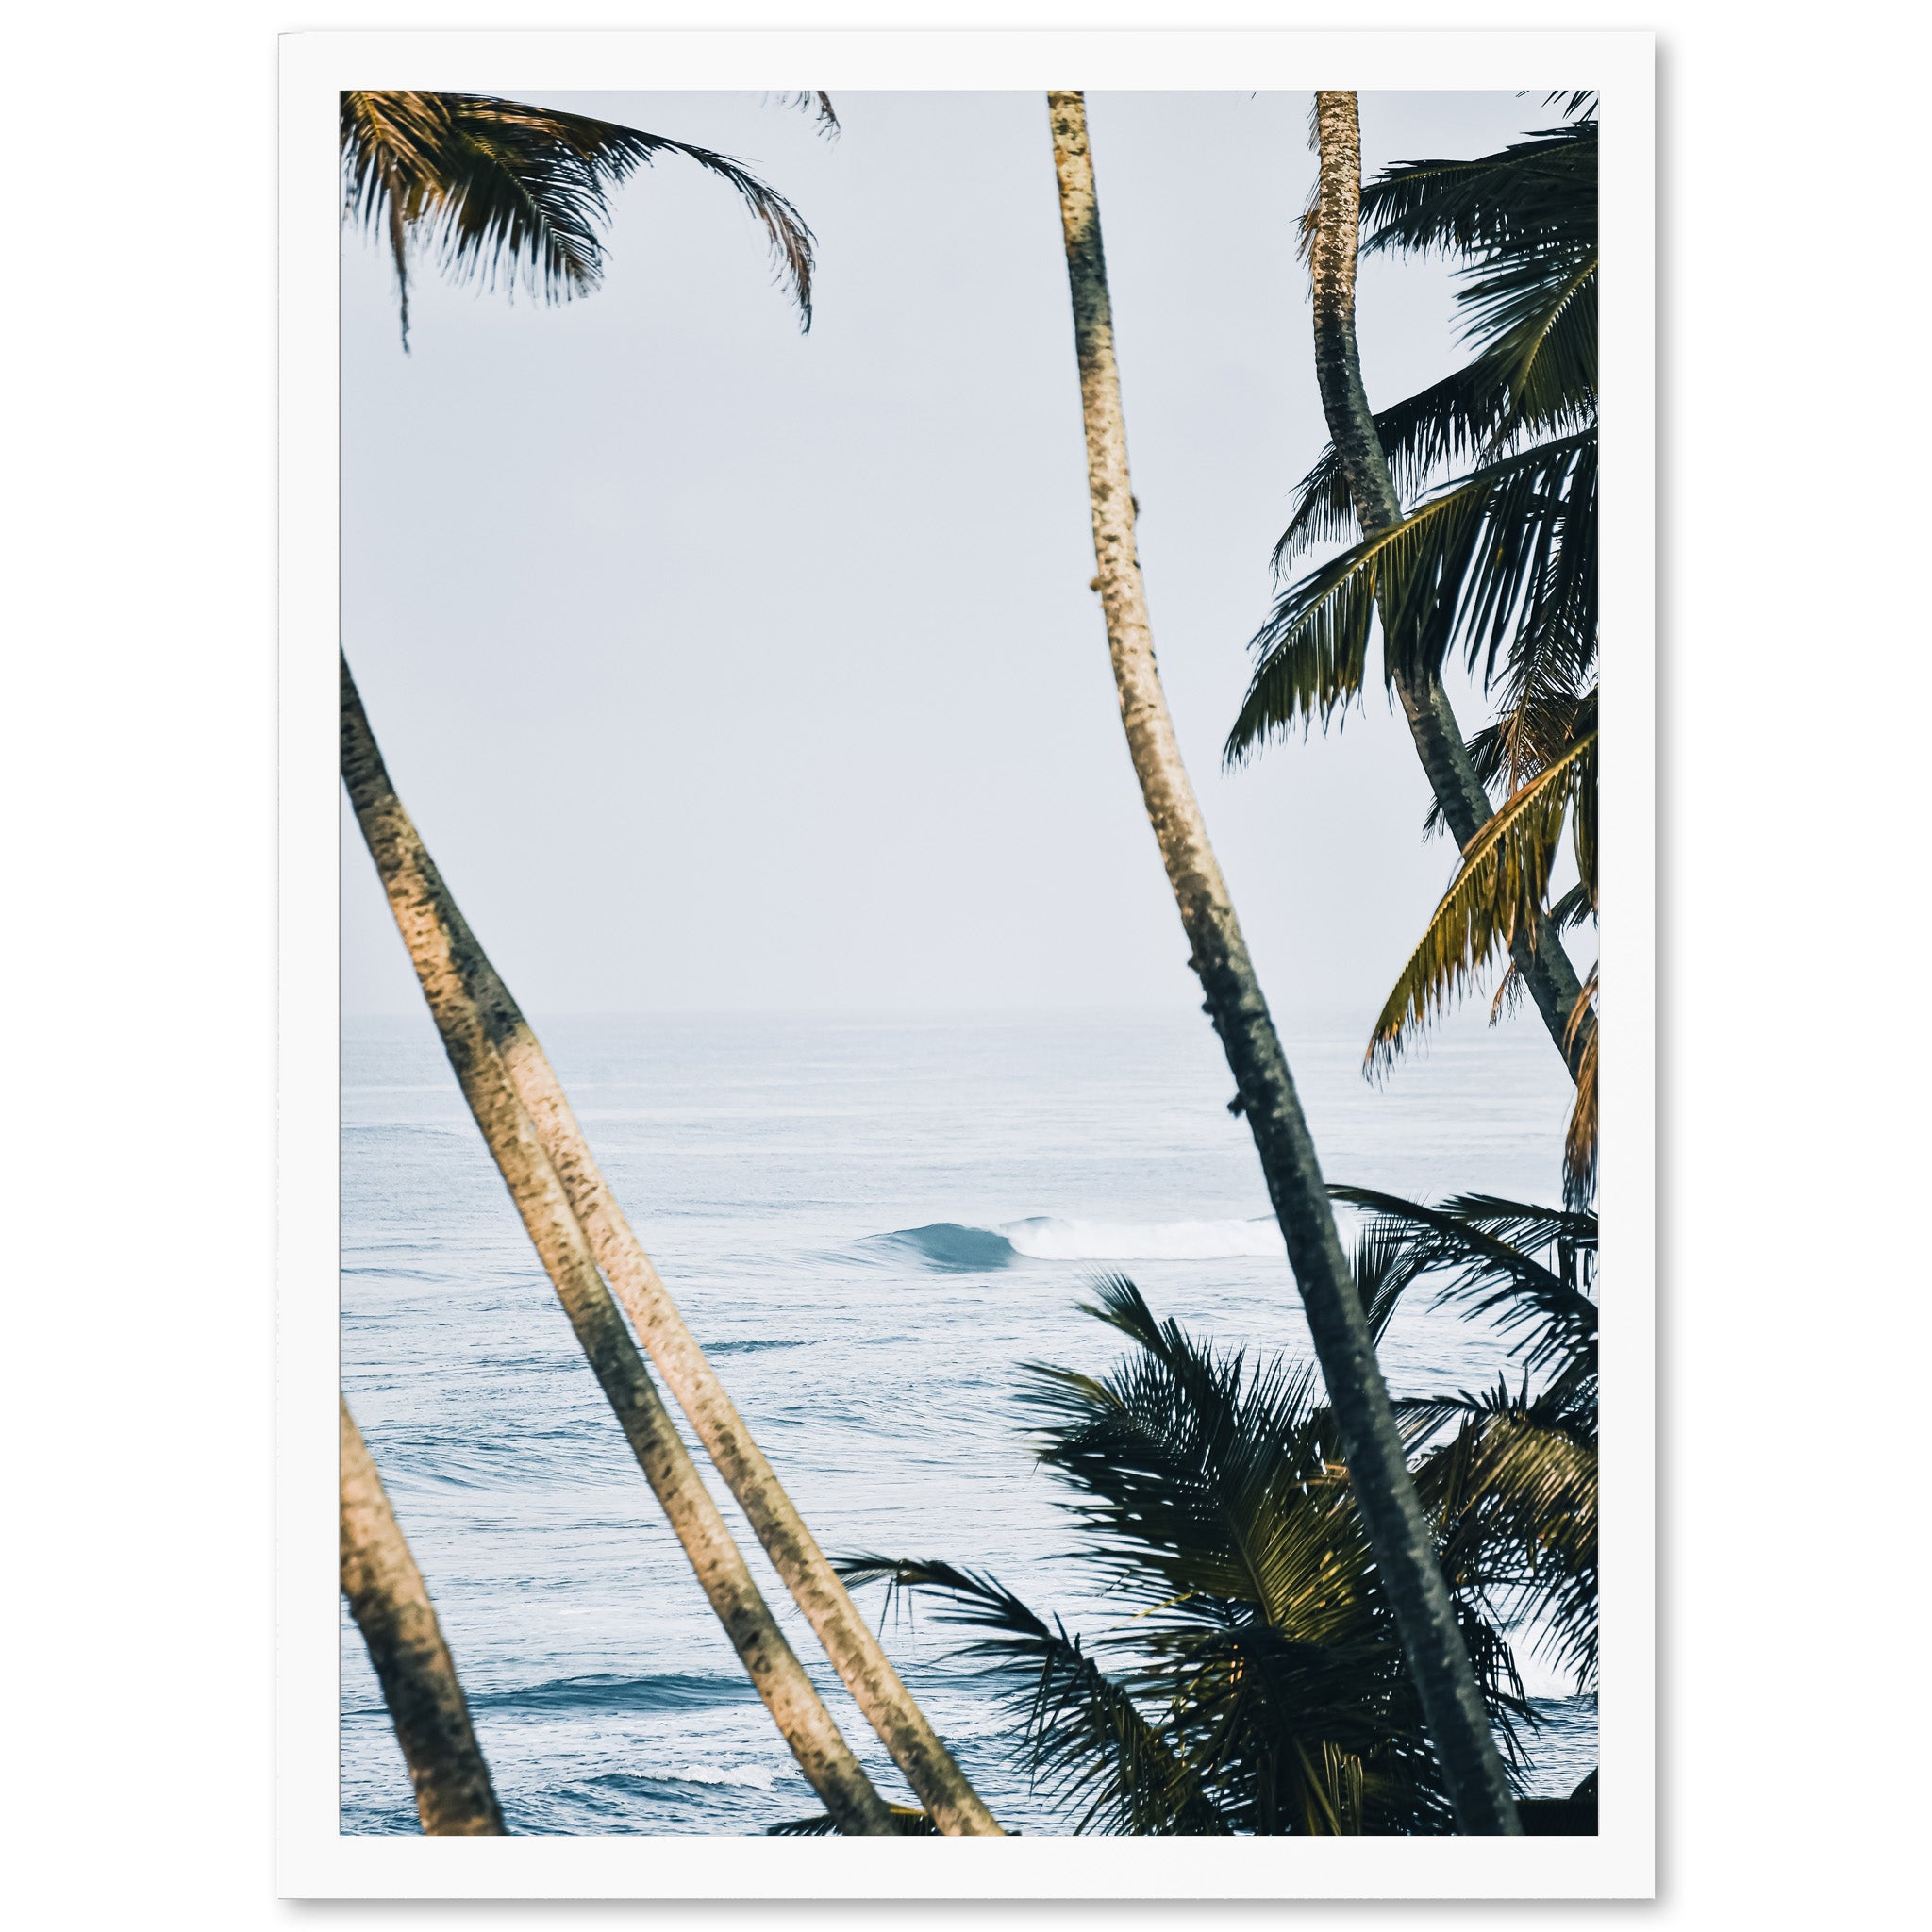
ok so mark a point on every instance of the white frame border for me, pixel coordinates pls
(314, 1860)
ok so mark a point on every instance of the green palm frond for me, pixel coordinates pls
(504, 192)
(1196, 1475)
(1538, 376)
(1527, 1266)
(1535, 316)
(1499, 890)
(1090, 1745)
(1537, 193)
(1495, 552)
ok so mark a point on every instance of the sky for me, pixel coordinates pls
(727, 667)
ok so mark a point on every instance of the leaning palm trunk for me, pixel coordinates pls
(1398, 1531)
(930, 1767)
(1537, 951)
(391, 1608)
(423, 912)
(854, 1652)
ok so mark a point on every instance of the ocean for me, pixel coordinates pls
(869, 1222)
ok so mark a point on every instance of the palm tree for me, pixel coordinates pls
(1254, 1679)
(575, 1224)
(1504, 558)
(391, 1605)
(1398, 1531)
(429, 921)
(497, 189)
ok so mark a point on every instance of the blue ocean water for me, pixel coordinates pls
(869, 1222)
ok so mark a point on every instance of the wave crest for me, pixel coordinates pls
(954, 1247)
(1046, 1237)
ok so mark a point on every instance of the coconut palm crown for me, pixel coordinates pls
(1253, 1680)
(502, 192)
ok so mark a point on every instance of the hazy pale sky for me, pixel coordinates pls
(727, 667)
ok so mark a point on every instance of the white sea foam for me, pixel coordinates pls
(1045, 1237)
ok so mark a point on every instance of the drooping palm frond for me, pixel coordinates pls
(1088, 1743)
(500, 191)
(1499, 890)
(1528, 1267)
(1491, 555)
(816, 103)
(1537, 193)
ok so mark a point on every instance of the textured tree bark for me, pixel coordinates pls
(1404, 1551)
(1538, 955)
(391, 1608)
(426, 916)
(930, 1767)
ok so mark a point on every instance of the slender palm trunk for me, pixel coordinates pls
(1399, 1532)
(930, 1767)
(424, 910)
(391, 1608)
(1537, 953)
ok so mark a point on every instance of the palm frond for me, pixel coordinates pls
(1514, 1493)
(1090, 1745)
(502, 191)
(1536, 317)
(1508, 548)
(1579, 1139)
(1538, 193)
(1487, 1250)
(1499, 891)
(818, 104)
(1197, 1475)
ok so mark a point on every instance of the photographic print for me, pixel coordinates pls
(972, 848)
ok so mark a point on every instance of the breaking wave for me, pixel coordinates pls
(949, 1245)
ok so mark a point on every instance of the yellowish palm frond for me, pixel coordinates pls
(1579, 1141)
(1500, 890)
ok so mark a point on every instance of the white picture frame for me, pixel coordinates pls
(315, 1860)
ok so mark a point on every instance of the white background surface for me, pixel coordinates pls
(140, 784)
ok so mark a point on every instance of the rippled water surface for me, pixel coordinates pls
(869, 1225)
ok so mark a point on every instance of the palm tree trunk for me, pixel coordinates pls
(1538, 955)
(930, 1767)
(391, 1608)
(421, 906)
(1404, 1547)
